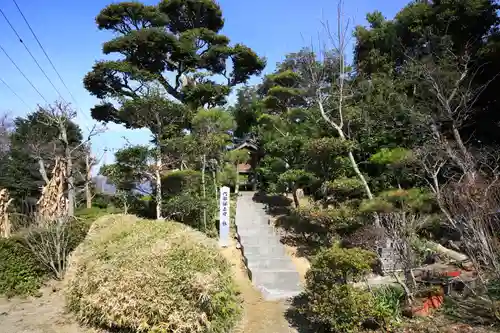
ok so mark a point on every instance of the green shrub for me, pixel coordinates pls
(182, 182)
(91, 214)
(20, 272)
(321, 225)
(339, 308)
(338, 265)
(139, 275)
(330, 302)
(389, 304)
(183, 199)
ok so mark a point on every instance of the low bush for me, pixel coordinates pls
(140, 275)
(389, 302)
(20, 272)
(51, 241)
(38, 251)
(321, 225)
(340, 308)
(331, 303)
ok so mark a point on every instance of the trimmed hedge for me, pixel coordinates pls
(148, 276)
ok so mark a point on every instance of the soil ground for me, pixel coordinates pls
(44, 314)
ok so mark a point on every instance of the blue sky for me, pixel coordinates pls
(68, 32)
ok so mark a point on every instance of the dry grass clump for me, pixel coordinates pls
(149, 276)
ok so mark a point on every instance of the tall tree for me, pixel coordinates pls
(175, 49)
(176, 38)
(35, 142)
(211, 129)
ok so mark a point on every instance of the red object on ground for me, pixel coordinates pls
(452, 273)
(432, 302)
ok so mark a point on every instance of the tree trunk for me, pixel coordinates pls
(468, 160)
(214, 175)
(69, 169)
(354, 164)
(158, 182)
(203, 188)
(125, 205)
(237, 183)
(88, 195)
(43, 172)
(295, 198)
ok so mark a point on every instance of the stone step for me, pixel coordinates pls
(273, 250)
(271, 263)
(269, 267)
(277, 284)
(278, 294)
(265, 241)
(252, 232)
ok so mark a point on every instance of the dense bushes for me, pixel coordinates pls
(330, 302)
(37, 253)
(319, 227)
(20, 272)
(183, 200)
(141, 275)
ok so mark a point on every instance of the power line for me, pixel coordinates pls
(22, 73)
(13, 91)
(52, 64)
(31, 54)
(44, 52)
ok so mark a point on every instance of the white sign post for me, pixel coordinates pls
(224, 215)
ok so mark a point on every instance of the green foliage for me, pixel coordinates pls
(414, 199)
(153, 40)
(389, 302)
(36, 136)
(246, 111)
(183, 200)
(331, 303)
(211, 129)
(338, 265)
(89, 215)
(269, 169)
(131, 166)
(181, 182)
(323, 225)
(377, 205)
(227, 176)
(141, 275)
(344, 188)
(408, 200)
(20, 272)
(394, 156)
(295, 178)
(339, 308)
(238, 156)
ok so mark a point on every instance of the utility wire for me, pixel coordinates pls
(22, 73)
(52, 64)
(16, 94)
(31, 54)
(44, 52)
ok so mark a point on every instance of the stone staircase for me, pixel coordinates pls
(269, 267)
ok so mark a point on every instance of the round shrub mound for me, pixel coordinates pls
(148, 276)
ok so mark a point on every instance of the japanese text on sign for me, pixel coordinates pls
(224, 216)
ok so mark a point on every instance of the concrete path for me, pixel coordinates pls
(269, 267)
